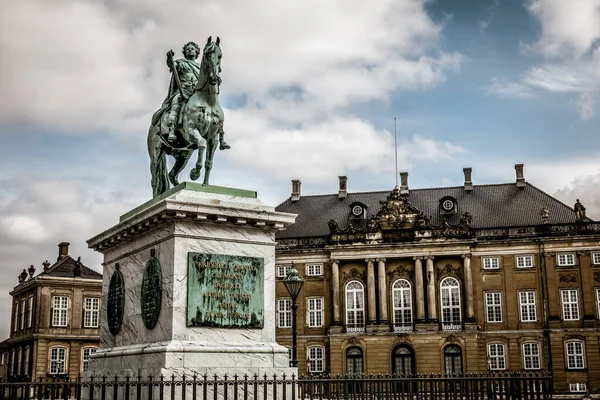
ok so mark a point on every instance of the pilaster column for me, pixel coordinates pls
(420, 301)
(372, 310)
(335, 289)
(468, 286)
(431, 303)
(383, 304)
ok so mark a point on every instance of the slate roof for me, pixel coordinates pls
(65, 268)
(492, 206)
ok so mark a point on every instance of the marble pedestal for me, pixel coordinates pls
(198, 219)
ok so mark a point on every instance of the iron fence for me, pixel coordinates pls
(534, 386)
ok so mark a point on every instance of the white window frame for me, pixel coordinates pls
(578, 387)
(30, 312)
(525, 261)
(284, 313)
(85, 358)
(16, 316)
(402, 305)
(569, 299)
(282, 270)
(19, 360)
(497, 356)
(575, 354)
(60, 311)
(314, 269)
(91, 312)
(596, 258)
(598, 301)
(58, 363)
(315, 359)
(26, 355)
(531, 356)
(355, 306)
(453, 302)
(314, 315)
(562, 260)
(22, 316)
(527, 306)
(13, 359)
(493, 306)
(492, 263)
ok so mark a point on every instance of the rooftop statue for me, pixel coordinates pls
(190, 118)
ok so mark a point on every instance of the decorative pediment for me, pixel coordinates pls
(354, 274)
(397, 212)
(568, 277)
(401, 272)
(449, 270)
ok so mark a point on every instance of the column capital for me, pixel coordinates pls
(380, 259)
(467, 255)
(369, 260)
(430, 258)
(334, 260)
(420, 258)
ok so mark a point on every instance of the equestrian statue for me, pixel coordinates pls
(190, 118)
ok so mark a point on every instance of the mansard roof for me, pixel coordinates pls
(67, 267)
(491, 206)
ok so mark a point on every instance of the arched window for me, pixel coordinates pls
(26, 361)
(403, 360)
(355, 307)
(85, 357)
(354, 361)
(450, 295)
(402, 300)
(453, 360)
(58, 359)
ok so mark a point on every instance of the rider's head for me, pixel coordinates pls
(191, 51)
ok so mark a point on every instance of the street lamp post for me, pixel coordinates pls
(293, 283)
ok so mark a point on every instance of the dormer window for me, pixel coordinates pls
(448, 205)
(357, 210)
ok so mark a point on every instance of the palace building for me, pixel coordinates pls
(473, 278)
(55, 321)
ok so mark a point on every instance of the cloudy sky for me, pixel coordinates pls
(310, 90)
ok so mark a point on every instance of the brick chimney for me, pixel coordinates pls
(63, 250)
(343, 191)
(468, 182)
(296, 189)
(403, 182)
(520, 178)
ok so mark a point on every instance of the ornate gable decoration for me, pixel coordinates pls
(397, 212)
(354, 274)
(401, 272)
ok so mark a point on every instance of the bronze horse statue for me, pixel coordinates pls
(200, 128)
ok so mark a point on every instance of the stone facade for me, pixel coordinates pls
(396, 293)
(55, 320)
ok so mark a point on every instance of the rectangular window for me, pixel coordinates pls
(58, 357)
(26, 361)
(491, 263)
(19, 358)
(87, 352)
(30, 312)
(284, 313)
(524, 261)
(60, 310)
(493, 304)
(315, 312)
(527, 306)
(598, 301)
(16, 316)
(91, 312)
(496, 356)
(531, 356)
(23, 306)
(577, 387)
(595, 258)
(314, 269)
(570, 304)
(282, 270)
(315, 359)
(575, 355)
(565, 259)
(13, 364)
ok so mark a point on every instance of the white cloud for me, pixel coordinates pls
(510, 90)
(563, 78)
(585, 106)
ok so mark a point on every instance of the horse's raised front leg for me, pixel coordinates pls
(195, 137)
(181, 160)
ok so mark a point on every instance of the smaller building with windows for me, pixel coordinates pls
(55, 320)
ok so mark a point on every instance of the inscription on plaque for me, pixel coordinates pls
(151, 291)
(116, 301)
(225, 291)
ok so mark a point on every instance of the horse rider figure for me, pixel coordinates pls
(184, 79)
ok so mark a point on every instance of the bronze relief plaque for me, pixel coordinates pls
(151, 291)
(225, 291)
(116, 301)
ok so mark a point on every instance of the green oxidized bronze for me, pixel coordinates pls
(225, 291)
(116, 301)
(151, 291)
(190, 118)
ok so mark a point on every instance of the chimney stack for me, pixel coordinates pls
(403, 182)
(520, 178)
(468, 181)
(63, 250)
(296, 189)
(343, 191)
